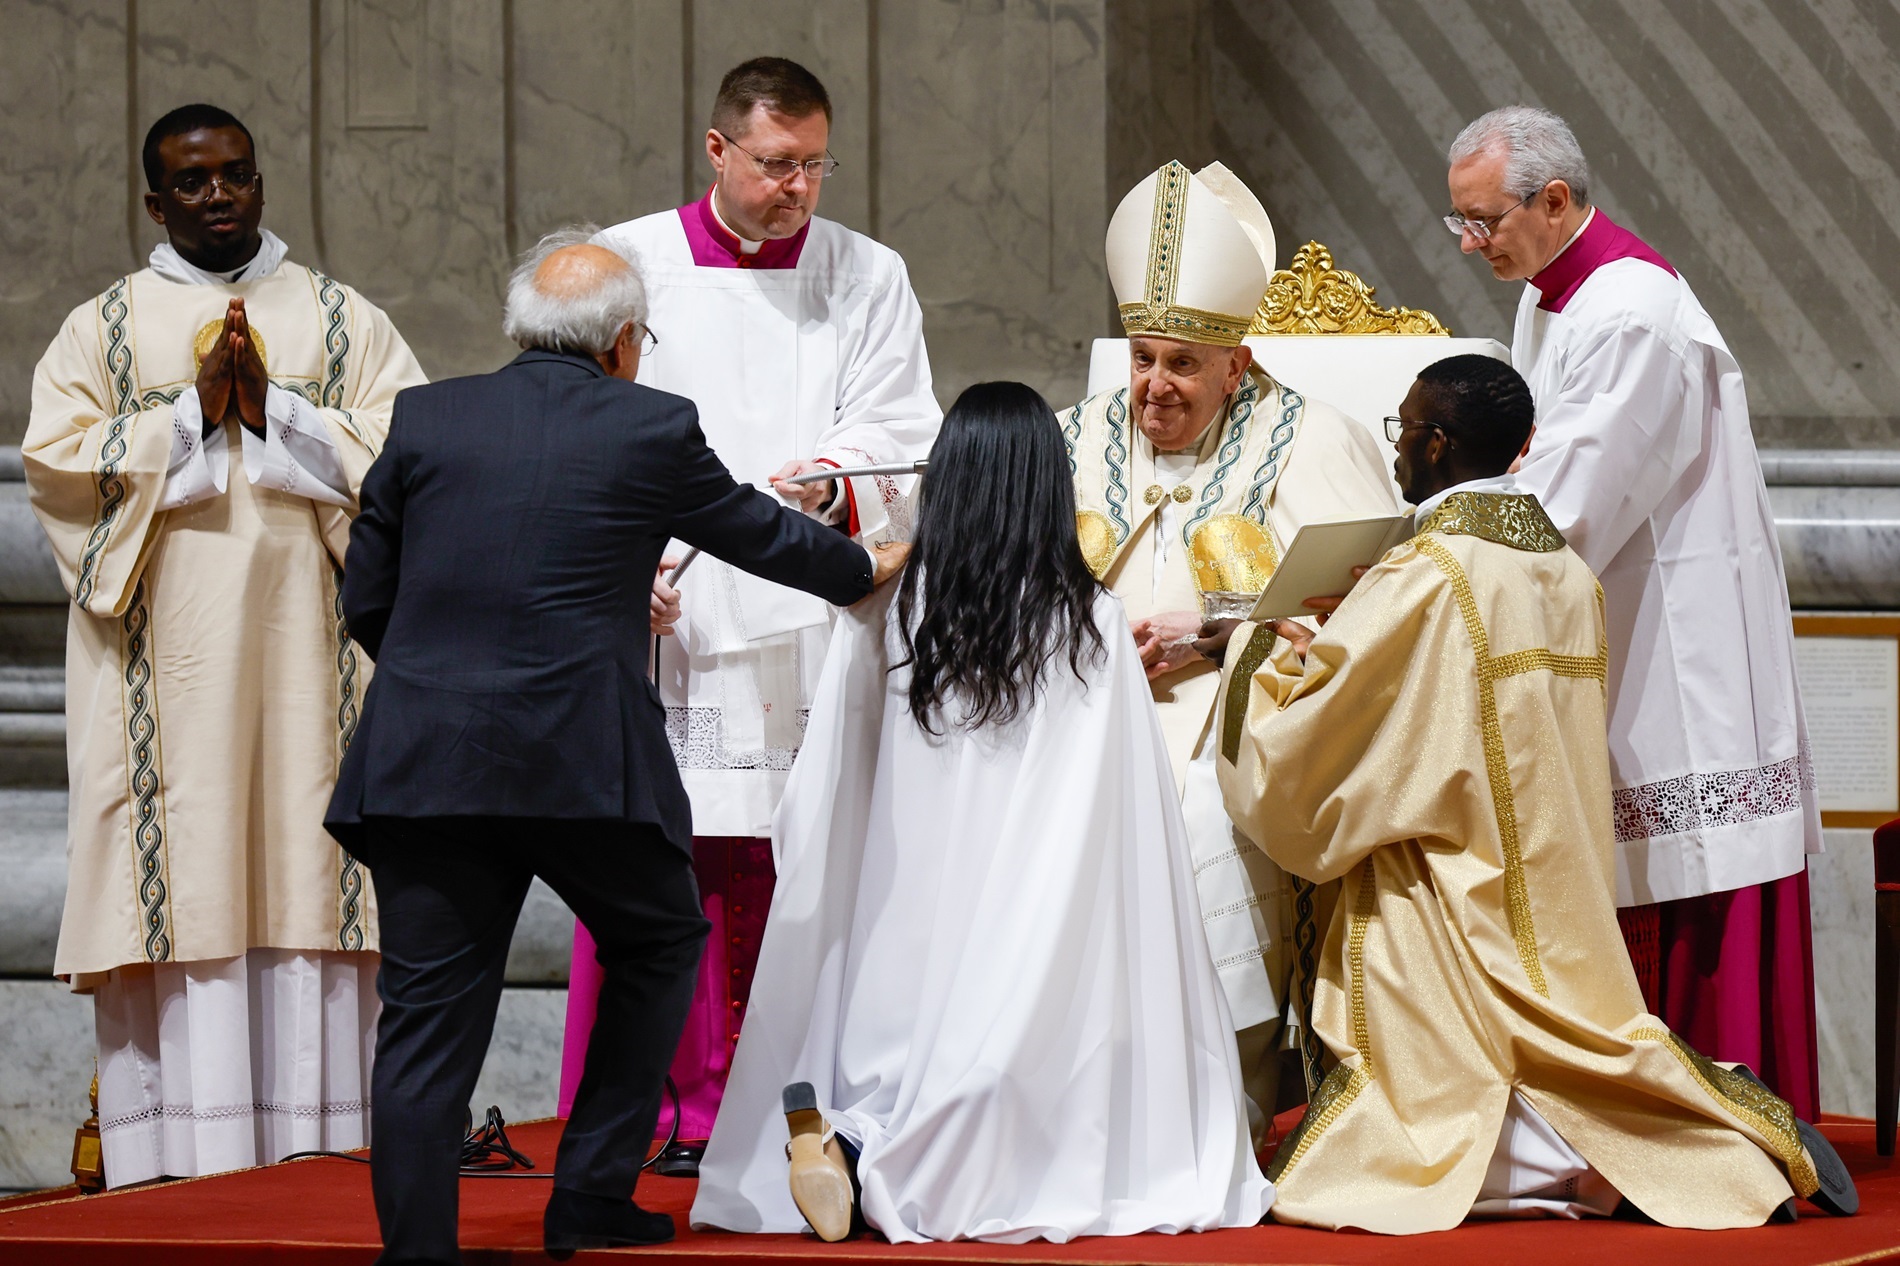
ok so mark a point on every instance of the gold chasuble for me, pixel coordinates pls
(210, 684)
(1443, 751)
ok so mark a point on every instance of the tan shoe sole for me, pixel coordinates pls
(821, 1185)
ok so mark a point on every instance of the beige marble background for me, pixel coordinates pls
(413, 147)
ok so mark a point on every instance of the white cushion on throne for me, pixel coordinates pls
(1362, 375)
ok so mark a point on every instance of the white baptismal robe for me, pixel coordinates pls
(1644, 460)
(985, 953)
(826, 360)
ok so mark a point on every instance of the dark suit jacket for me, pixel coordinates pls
(499, 576)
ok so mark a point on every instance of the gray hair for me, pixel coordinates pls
(1538, 148)
(585, 323)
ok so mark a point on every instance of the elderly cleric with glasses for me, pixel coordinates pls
(802, 344)
(1644, 459)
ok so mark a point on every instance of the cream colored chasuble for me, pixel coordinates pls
(211, 685)
(1443, 750)
(1271, 461)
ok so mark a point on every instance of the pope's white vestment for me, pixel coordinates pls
(1644, 460)
(1272, 460)
(211, 690)
(985, 954)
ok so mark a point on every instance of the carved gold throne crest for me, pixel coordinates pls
(1313, 295)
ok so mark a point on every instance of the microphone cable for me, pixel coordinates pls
(487, 1153)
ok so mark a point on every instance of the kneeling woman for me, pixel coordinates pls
(984, 966)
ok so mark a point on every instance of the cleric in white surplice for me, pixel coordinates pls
(801, 342)
(1644, 460)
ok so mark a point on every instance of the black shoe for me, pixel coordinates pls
(575, 1220)
(679, 1161)
(1836, 1194)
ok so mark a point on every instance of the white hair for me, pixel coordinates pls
(579, 324)
(1538, 148)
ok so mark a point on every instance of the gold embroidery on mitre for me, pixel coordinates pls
(1503, 518)
(1097, 536)
(207, 335)
(1312, 295)
(1232, 554)
(1158, 313)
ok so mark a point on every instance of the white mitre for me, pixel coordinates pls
(1190, 255)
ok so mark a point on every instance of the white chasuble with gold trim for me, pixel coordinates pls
(1271, 461)
(211, 686)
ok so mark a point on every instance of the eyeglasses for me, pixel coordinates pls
(1397, 426)
(648, 340)
(1481, 227)
(192, 187)
(786, 168)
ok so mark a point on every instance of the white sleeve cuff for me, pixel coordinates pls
(296, 455)
(198, 469)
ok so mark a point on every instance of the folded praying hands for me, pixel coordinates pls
(231, 378)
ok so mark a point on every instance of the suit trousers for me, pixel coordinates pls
(449, 891)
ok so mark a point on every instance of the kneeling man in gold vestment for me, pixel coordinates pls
(1440, 746)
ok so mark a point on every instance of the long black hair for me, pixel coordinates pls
(995, 563)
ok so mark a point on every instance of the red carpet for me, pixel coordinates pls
(313, 1212)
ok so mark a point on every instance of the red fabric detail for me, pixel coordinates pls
(1601, 241)
(1738, 983)
(735, 880)
(319, 1213)
(1887, 854)
(714, 246)
(850, 499)
(1642, 935)
(1880, 887)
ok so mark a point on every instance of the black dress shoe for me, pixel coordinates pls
(1836, 1194)
(679, 1161)
(575, 1220)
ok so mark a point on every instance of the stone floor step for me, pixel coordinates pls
(32, 689)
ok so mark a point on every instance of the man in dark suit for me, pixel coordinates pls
(500, 575)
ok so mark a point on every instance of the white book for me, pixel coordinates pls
(1320, 560)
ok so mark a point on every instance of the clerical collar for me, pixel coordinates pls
(746, 245)
(169, 264)
(1599, 241)
(1505, 483)
(714, 245)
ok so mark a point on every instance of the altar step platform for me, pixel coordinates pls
(318, 1212)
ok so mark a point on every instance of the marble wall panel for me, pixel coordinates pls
(522, 1072)
(64, 191)
(1710, 129)
(43, 1080)
(993, 186)
(597, 105)
(416, 217)
(1841, 898)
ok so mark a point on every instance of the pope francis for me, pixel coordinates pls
(1190, 481)
(1440, 746)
